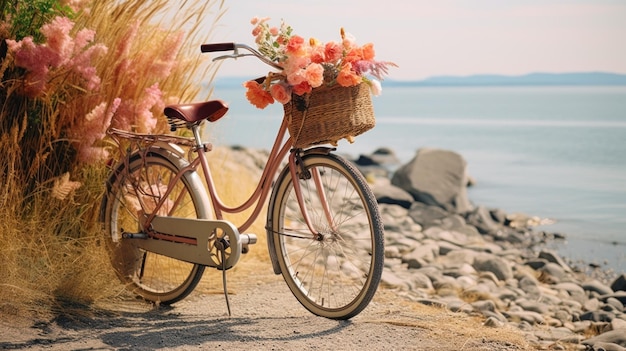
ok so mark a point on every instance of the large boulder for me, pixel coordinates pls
(436, 177)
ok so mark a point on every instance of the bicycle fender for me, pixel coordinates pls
(175, 155)
(319, 150)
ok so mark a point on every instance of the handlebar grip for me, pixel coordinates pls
(217, 47)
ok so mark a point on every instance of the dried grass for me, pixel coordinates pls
(51, 253)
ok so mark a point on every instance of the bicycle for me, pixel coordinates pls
(163, 226)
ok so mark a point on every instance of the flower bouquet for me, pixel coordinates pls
(325, 88)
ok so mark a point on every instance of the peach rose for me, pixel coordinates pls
(314, 74)
(333, 52)
(281, 93)
(302, 88)
(295, 46)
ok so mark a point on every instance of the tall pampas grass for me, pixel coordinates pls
(129, 59)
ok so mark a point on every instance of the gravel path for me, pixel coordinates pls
(265, 316)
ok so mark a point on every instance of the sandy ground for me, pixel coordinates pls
(265, 316)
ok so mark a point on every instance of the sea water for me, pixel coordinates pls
(546, 151)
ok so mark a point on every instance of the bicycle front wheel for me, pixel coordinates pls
(136, 187)
(333, 272)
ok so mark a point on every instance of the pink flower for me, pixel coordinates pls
(302, 88)
(333, 52)
(281, 93)
(314, 74)
(318, 54)
(58, 39)
(295, 46)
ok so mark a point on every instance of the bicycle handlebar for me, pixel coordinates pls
(234, 47)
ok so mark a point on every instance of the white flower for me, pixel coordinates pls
(375, 87)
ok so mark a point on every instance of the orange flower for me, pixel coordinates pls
(355, 54)
(368, 52)
(347, 77)
(257, 95)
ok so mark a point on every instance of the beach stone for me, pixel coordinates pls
(423, 253)
(573, 290)
(619, 284)
(458, 305)
(391, 279)
(494, 264)
(552, 273)
(597, 316)
(553, 256)
(617, 336)
(436, 177)
(618, 323)
(481, 218)
(457, 258)
(617, 304)
(421, 281)
(526, 316)
(596, 286)
(592, 305)
(534, 306)
(393, 195)
(554, 334)
(606, 346)
(536, 264)
(427, 215)
(620, 295)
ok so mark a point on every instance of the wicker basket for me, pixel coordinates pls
(329, 114)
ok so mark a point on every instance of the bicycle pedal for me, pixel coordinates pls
(247, 239)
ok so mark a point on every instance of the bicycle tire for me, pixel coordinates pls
(154, 277)
(337, 274)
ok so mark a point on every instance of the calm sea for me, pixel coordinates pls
(552, 152)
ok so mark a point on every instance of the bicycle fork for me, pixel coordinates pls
(298, 171)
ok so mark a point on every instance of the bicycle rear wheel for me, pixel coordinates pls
(334, 273)
(138, 189)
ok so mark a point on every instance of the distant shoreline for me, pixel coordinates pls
(481, 80)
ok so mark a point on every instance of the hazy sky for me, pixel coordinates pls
(451, 37)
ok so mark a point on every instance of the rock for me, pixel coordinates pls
(422, 253)
(617, 337)
(607, 346)
(391, 194)
(596, 286)
(617, 304)
(619, 284)
(494, 264)
(436, 177)
(421, 281)
(427, 216)
(552, 256)
(575, 291)
(493, 322)
(481, 218)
